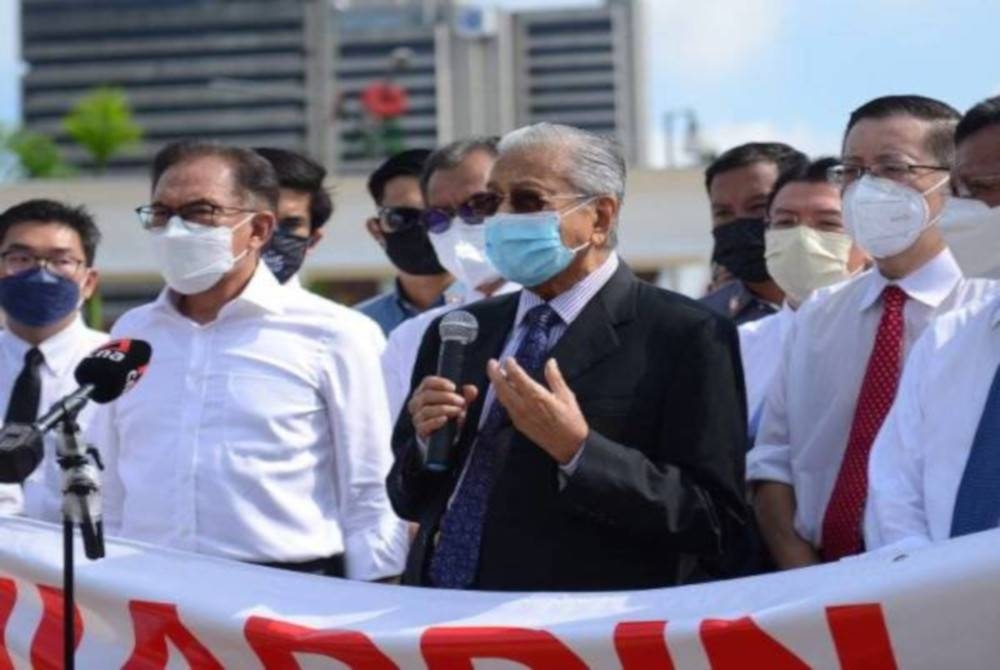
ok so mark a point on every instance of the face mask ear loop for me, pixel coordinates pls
(924, 194)
(572, 209)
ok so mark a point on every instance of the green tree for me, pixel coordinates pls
(37, 153)
(101, 122)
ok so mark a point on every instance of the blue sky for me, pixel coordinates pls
(788, 70)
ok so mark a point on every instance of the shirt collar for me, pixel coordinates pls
(262, 293)
(930, 284)
(569, 304)
(59, 350)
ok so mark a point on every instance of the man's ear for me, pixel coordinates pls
(262, 227)
(375, 230)
(314, 238)
(89, 285)
(606, 209)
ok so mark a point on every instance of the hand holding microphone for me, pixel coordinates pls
(438, 407)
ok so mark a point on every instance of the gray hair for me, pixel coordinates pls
(595, 162)
(451, 156)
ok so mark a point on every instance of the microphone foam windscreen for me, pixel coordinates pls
(458, 326)
(113, 368)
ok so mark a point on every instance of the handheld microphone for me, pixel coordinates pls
(103, 375)
(458, 329)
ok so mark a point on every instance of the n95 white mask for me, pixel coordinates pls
(971, 229)
(885, 217)
(461, 250)
(802, 259)
(193, 257)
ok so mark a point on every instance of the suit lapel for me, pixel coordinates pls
(592, 336)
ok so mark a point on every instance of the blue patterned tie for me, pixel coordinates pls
(977, 505)
(456, 556)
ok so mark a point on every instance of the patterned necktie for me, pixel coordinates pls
(977, 503)
(841, 533)
(27, 392)
(456, 556)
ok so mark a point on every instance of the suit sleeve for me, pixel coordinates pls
(688, 500)
(411, 487)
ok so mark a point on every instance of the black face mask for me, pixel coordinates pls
(739, 247)
(410, 250)
(285, 253)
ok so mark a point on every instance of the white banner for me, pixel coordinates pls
(147, 607)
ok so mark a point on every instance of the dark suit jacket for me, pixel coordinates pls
(659, 488)
(737, 302)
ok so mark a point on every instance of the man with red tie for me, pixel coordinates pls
(845, 352)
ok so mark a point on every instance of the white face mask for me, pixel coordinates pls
(193, 257)
(885, 217)
(462, 251)
(971, 229)
(802, 259)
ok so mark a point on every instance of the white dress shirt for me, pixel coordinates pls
(41, 497)
(401, 350)
(761, 344)
(261, 436)
(810, 405)
(919, 458)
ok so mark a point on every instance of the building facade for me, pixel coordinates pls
(291, 73)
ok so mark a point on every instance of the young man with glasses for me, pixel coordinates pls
(453, 184)
(47, 271)
(422, 281)
(847, 345)
(260, 431)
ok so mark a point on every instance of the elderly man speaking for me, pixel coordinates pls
(601, 421)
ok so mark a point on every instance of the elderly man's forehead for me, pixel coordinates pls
(200, 177)
(543, 164)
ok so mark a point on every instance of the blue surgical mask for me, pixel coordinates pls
(38, 298)
(527, 248)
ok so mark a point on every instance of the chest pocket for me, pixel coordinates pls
(272, 409)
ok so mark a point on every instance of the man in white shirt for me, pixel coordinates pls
(846, 346)
(933, 470)
(304, 207)
(453, 183)
(806, 248)
(47, 270)
(260, 430)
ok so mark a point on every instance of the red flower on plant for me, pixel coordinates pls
(385, 100)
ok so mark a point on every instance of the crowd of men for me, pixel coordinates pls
(836, 392)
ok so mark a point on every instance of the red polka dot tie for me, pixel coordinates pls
(842, 534)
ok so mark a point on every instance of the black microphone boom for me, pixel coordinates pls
(458, 329)
(103, 376)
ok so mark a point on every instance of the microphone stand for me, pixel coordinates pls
(81, 491)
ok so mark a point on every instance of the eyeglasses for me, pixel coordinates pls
(522, 201)
(900, 171)
(202, 213)
(15, 261)
(438, 219)
(978, 186)
(398, 219)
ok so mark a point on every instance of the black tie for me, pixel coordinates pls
(27, 392)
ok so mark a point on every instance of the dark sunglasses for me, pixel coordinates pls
(479, 206)
(398, 219)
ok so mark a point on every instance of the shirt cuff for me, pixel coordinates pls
(566, 470)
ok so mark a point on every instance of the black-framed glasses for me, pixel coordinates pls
(900, 171)
(438, 219)
(153, 217)
(479, 206)
(977, 186)
(15, 261)
(398, 219)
